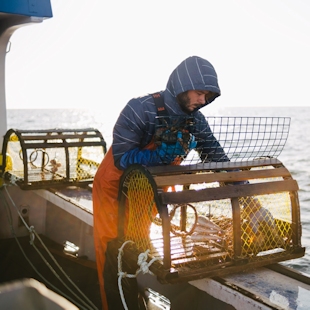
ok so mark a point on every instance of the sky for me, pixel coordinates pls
(97, 54)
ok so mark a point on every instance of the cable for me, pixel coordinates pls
(34, 234)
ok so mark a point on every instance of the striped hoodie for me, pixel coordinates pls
(135, 126)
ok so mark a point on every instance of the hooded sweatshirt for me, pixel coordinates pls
(136, 124)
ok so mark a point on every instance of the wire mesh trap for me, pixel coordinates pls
(56, 157)
(238, 138)
(213, 218)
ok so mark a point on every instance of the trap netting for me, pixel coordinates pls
(191, 140)
(56, 157)
(214, 218)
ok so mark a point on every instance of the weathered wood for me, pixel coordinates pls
(235, 176)
(60, 144)
(236, 227)
(211, 271)
(58, 136)
(225, 192)
(215, 166)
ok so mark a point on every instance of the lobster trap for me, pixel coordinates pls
(51, 158)
(201, 219)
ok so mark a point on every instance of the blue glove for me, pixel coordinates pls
(164, 154)
(137, 156)
(168, 152)
(170, 149)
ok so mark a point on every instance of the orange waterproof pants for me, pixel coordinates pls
(105, 210)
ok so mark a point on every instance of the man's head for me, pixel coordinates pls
(193, 100)
(193, 84)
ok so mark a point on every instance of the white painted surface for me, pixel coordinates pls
(272, 288)
(67, 205)
(228, 295)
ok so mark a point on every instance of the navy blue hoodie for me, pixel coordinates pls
(135, 126)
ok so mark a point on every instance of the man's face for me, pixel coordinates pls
(193, 100)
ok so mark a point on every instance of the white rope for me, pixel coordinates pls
(143, 267)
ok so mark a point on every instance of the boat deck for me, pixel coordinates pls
(264, 288)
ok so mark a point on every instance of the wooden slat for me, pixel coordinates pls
(217, 166)
(61, 144)
(59, 136)
(224, 192)
(182, 179)
(61, 130)
(215, 271)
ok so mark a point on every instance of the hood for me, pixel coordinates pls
(194, 73)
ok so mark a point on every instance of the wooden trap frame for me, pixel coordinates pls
(212, 218)
(36, 159)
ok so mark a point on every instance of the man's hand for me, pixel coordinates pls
(169, 151)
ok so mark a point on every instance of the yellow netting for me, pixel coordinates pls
(266, 225)
(142, 210)
(86, 162)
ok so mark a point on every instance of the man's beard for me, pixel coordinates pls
(184, 101)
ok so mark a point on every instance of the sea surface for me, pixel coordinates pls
(295, 155)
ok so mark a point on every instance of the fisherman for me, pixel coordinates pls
(191, 86)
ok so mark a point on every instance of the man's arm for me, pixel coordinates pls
(133, 133)
(131, 128)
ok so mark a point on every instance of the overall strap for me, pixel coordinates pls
(160, 104)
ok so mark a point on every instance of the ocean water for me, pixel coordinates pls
(295, 155)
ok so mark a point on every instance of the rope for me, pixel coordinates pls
(143, 267)
(33, 234)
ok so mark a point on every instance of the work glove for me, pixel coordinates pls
(168, 152)
(164, 154)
